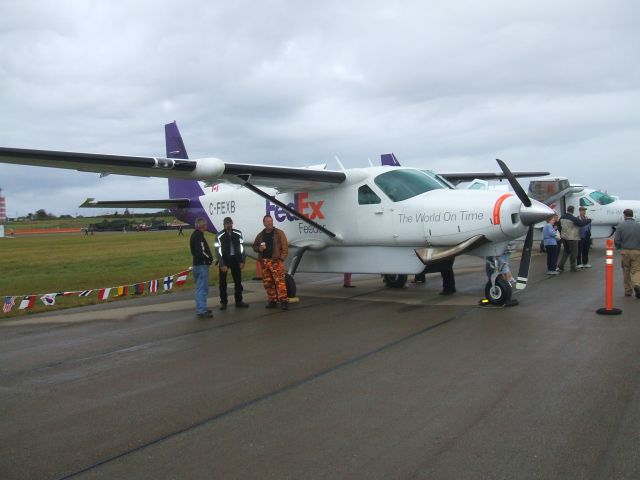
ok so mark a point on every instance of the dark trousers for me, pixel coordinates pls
(552, 256)
(234, 267)
(570, 251)
(445, 267)
(583, 251)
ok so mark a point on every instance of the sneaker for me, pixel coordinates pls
(579, 265)
(205, 315)
(586, 265)
(242, 305)
(552, 272)
(271, 305)
(223, 306)
(284, 305)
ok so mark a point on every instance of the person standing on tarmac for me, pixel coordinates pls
(570, 233)
(231, 257)
(445, 267)
(272, 247)
(627, 240)
(202, 259)
(550, 237)
(585, 241)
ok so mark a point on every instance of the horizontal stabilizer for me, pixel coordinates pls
(168, 203)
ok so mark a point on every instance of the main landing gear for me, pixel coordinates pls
(395, 280)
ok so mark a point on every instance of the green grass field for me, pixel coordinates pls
(37, 265)
(81, 222)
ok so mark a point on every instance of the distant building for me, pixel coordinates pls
(3, 209)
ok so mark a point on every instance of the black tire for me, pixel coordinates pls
(291, 285)
(500, 294)
(395, 280)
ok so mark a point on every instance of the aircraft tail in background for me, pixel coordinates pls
(389, 159)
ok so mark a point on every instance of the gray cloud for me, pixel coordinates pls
(445, 85)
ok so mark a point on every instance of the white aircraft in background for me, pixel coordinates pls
(604, 210)
(386, 220)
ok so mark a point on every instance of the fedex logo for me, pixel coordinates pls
(311, 210)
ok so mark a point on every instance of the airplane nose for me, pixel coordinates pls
(537, 212)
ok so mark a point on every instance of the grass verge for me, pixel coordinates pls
(38, 265)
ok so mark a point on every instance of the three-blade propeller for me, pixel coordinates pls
(525, 261)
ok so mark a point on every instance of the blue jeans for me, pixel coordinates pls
(201, 276)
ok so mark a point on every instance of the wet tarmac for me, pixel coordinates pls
(366, 382)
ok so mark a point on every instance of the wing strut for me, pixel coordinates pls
(286, 207)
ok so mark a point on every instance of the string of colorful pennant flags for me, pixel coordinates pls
(48, 299)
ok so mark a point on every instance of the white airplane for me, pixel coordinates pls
(604, 210)
(385, 220)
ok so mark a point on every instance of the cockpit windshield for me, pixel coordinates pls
(602, 198)
(402, 184)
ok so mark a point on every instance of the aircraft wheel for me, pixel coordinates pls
(395, 280)
(291, 285)
(500, 294)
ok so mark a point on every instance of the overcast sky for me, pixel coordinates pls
(447, 85)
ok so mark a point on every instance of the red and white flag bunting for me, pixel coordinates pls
(182, 278)
(48, 299)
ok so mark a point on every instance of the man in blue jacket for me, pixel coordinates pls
(585, 241)
(231, 257)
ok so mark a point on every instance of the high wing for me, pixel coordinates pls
(457, 177)
(206, 169)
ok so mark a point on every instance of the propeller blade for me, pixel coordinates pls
(522, 195)
(525, 261)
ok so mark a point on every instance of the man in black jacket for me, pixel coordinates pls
(202, 258)
(231, 256)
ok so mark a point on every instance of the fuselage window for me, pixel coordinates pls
(602, 198)
(366, 196)
(400, 185)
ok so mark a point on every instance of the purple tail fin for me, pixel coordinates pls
(175, 149)
(389, 159)
(184, 188)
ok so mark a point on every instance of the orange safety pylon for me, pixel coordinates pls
(609, 310)
(258, 271)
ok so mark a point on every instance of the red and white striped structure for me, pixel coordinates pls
(3, 209)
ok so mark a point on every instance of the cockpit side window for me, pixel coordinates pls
(602, 198)
(585, 202)
(366, 196)
(400, 185)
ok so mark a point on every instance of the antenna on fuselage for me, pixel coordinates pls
(369, 160)
(339, 163)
